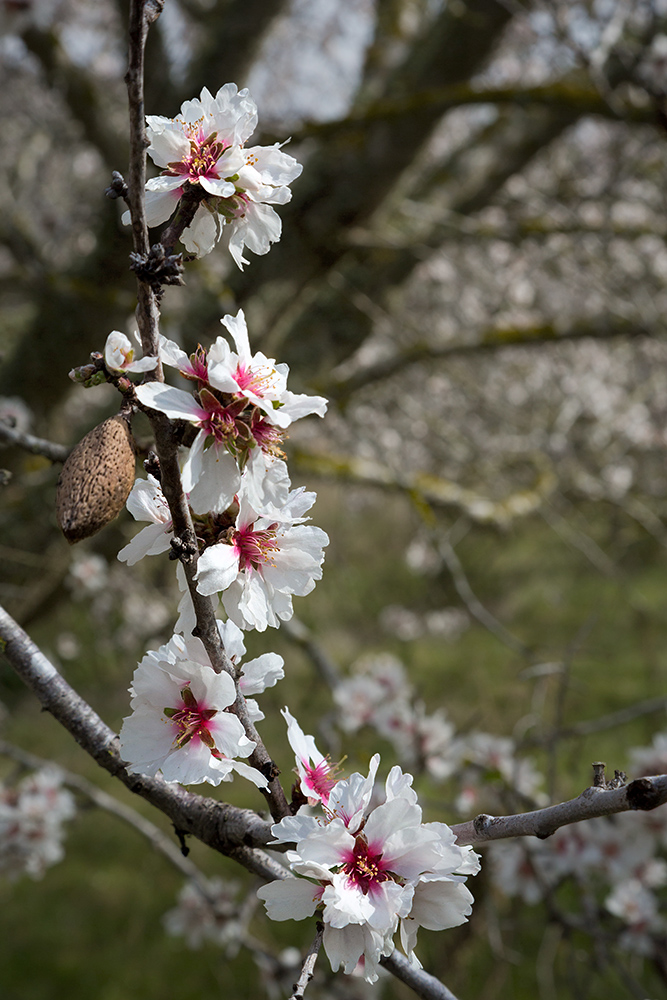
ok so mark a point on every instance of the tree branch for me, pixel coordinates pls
(308, 964)
(598, 328)
(422, 983)
(643, 793)
(35, 445)
(433, 490)
(142, 14)
(234, 832)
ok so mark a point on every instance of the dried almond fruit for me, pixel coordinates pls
(96, 479)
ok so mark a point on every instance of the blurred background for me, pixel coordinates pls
(473, 271)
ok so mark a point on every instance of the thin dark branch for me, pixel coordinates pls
(308, 964)
(325, 666)
(420, 982)
(610, 721)
(36, 446)
(474, 605)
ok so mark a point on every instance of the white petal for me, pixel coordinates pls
(289, 899)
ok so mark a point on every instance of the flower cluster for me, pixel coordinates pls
(204, 149)
(365, 867)
(255, 549)
(31, 824)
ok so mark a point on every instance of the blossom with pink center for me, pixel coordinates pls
(263, 561)
(317, 775)
(179, 725)
(203, 147)
(367, 869)
(257, 378)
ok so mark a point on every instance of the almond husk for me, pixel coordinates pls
(96, 479)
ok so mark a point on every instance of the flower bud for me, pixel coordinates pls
(96, 479)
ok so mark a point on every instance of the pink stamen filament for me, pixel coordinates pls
(254, 547)
(201, 161)
(259, 380)
(321, 779)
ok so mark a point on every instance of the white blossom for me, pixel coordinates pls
(257, 378)
(119, 354)
(264, 560)
(31, 823)
(206, 911)
(147, 502)
(179, 725)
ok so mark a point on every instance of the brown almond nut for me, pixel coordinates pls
(96, 479)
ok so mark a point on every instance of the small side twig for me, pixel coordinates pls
(308, 964)
(324, 665)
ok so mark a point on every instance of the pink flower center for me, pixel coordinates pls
(268, 437)
(261, 380)
(254, 548)
(365, 867)
(202, 160)
(198, 367)
(222, 421)
(191, 721)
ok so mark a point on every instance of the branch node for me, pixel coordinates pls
(118, 188)
(157, 268)
(482, 822)
(642, 794)
(184, 547)
(180, 836)
(152, 466)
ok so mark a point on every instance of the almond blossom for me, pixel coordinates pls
(256, 378)
(317, 775)
(119, 354)
(262, 560)
(203, 147)
(179, 725)
(367, 870)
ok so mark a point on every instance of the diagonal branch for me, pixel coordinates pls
(35, 445)
(237, 833)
